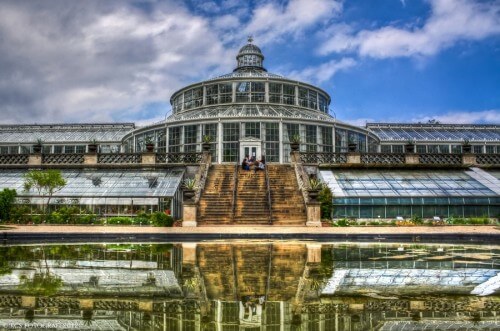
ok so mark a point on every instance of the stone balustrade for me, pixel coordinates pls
(38, 159)
(401, 159)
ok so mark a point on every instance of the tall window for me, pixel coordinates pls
(190, 138)
(212, 94)
(226, 93)
(252, 129)
(323, 104)
(174, 139)
(311, 140)
(326, 139)
(211, 130)
(193, 98)
(272, 135)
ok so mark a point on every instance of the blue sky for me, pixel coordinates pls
(381, 61)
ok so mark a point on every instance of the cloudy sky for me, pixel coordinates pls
(384, 60)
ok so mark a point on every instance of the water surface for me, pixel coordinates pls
(250, 286)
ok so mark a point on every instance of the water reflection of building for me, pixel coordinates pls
(285, 286)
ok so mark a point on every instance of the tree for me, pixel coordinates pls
(7, 198)
(325, 197)
(45, 182)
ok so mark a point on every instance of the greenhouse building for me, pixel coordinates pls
(381, 170)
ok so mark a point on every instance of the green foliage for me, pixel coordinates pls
(295, 139)
(121, 220)
(7, 198)
(207, 139)
(42, 283)
(342, 222)
(417, 220)
(161, 219)
(189, 183)
(44, 182)
(325, 197)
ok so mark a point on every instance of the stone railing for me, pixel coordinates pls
(14, 158)
(455, 159)
(330, 158)
(382, 158)
(302, 176)
(195, 157)
(63, 158)
(390, 159)
(119, 158)
(39, 159)
(201, 176)
(488, 158)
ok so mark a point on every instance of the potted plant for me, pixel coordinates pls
(352, 144)
(206, 140)
(315, 185)
(295, 142)
(189, 186)
(92, 146)
(150, 146)
(37, 147)
(466, 146)
(410, 146)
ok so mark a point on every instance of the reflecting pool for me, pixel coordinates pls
(250, 286)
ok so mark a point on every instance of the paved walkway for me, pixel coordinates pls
(472, 229)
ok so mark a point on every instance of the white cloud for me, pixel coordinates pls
(464, 117)
(96, 60)
(450, 21)
(271, 22)
(324, 71)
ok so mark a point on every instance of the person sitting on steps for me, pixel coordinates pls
(245, 164)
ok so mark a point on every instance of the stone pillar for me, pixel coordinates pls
(189, 253)
(28, 302)
(313, 253)
(412, 159)
(148, 158)
(86, 304)
(35, 159)
(313, 214)
(146, 306)
(189, 214)
(354, 157)
(469, 159)
(294, 157)
(90, 158)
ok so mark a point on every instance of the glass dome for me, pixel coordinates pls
(250, 57)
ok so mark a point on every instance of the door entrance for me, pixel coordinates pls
(250, 147)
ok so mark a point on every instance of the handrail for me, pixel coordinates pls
(302, 180)
(202, 175)
(235, 186)
(269, 196)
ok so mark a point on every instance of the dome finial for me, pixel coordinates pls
(250, 39)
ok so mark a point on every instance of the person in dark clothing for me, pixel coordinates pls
(245, 164)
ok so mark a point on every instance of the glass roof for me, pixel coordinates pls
(406, 183)
(86, 183)
(353, 279)
(242, 110)
(435, 132)
(64, 133)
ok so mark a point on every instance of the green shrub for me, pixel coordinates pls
(161, 219)
(342, 222)
(85, 219)
(374, 223)
(121, 220)
(325, 197)
(417, 220)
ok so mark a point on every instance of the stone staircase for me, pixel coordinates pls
(287, 203)
(215, 206)
(251, 198)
